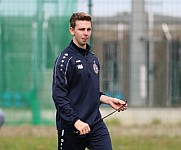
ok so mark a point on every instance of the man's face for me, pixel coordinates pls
(81, 33)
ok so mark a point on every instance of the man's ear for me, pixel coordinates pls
(71, 31)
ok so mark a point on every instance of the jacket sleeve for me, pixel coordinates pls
(60, 90)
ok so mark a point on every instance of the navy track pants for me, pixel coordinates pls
(97, 139)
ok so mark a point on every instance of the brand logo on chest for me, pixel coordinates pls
(80, 66)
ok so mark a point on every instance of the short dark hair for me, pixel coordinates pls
(79, 16)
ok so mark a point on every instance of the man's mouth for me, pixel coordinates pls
(84, 39)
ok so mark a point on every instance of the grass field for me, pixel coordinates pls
(154, 137)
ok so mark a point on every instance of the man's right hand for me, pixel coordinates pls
(82, 127)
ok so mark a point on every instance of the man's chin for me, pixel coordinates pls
(84, 43)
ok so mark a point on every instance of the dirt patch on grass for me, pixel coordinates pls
(28, 130)
(151, 130)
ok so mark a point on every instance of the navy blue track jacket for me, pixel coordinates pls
(75, 90)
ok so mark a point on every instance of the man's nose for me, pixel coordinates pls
(85, 32)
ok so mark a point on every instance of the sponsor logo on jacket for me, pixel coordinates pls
(80, 66)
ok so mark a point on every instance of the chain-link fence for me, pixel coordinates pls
(30, 42)
(137, 43)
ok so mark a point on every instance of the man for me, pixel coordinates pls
(76, 92)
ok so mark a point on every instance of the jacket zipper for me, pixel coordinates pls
(89, 72)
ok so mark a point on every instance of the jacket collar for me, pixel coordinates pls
(80, 50)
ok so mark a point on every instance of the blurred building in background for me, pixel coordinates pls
(112, 42)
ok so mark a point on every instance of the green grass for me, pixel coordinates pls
(146, 143)
(119, 143)
(27, 143)
(44, 138)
